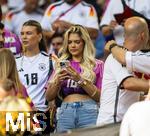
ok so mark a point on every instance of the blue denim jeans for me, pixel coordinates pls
(76, 115)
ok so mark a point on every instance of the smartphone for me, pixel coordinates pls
(64, 63)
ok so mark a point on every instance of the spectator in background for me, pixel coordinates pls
(61, 15)
(105, 4)
(79, 82)
(109, 24)
(9, 40)
(119, 88)
(15, 19)
(3, 8)
(15, 5)
(56, 43)
(8, 70)
(43, 4)
(134, 61)
(97, 7)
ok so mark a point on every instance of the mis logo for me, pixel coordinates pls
(21, 121)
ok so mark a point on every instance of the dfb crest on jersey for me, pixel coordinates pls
(42, 66)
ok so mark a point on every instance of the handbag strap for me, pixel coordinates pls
(117, 100)
(116, 104)
(64, 13)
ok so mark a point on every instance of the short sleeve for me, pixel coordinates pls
(119, 72)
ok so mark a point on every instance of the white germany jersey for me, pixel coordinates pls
(33, 73)
(113, 103)
(138, 61)
(136, 121)
(17, 4)
(116, 7)
(15, 19)
(82, 14)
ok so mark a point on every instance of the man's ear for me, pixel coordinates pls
(40, 37)
(142, 35)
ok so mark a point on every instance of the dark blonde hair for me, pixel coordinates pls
(8, 69)
(7, 84)
(42, 43)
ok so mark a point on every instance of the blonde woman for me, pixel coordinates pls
(8, 70)
(79, 81)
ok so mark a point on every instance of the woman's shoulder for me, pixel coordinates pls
(99, 66)
(99, 62)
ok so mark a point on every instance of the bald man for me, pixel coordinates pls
(134, 61)
(120, 88)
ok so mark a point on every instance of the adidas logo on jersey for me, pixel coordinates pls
(21, 70)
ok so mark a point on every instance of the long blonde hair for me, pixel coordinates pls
(88, 60)
(8, 67)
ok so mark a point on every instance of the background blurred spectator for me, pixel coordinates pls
(98, 8)
(9, 40)
(108, 22)
(56, 42)
(15, 19)
(12, 42)
(15, 5)
(61, 15)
